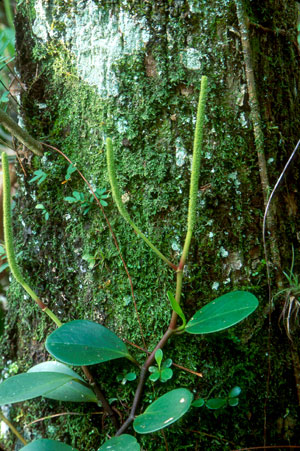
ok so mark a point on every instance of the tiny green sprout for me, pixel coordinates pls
(40, 177)
(86, 201)
(70, 170)
(91, 259)
(161, 372)
(158, 357)
(43, 210)
(198, 402)
(126, 377)
(217, 403)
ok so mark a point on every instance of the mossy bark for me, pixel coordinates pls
(131, 71)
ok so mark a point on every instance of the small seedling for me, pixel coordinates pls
(126, 377)
(40, 177)
(161, 372)
(43, 211)
(70, 170)
(91, 259)
(86, 201)
(217, 403)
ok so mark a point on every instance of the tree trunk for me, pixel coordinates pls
(131, 71)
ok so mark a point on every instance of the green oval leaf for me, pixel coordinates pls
(72, 391)
(166, 374)
(30, 385)
(158, 357)
(198, 403)
(167, 363)
(124, 442)
(83, 342)
(233, 402)
(223, 312)
(216, 403)
(154, 376)
(47, 445)
(235, 391)
(176, 307)
(164, 411)
(130, 377)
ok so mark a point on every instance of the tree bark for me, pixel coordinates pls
(131, 71)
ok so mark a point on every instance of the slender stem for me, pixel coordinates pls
(117, 198)
(8, 239)
(100, 396)
(24, 137)
(197, 151)
(179, 279)
(12, 428)
(9, 14)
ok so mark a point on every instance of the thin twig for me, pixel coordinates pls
(174, 364)
(212, 436)
(22, 135)
(55, 415)
(165, 439)
(100, 395)
(12, 428)
(269, 447)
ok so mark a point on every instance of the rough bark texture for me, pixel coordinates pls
(131, 70)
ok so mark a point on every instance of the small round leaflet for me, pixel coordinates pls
(164, 411)
(124, 442)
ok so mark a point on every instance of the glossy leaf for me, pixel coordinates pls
(223, 312)
(130, 377)
(233, 402)
(158, 357)
(83, 342)
(124, 442)
(167, 363)
(235, 391)
(30, 385)
(216, 403)
(72, 391)
(154, 376)
(166, 374)
(164, 411)
(198, 403)
(176, 307)
(47, 445)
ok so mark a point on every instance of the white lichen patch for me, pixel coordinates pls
(96, 39)
(4, 429)
(223, 252)
(191, 58)
(180, 153)
(215, 286)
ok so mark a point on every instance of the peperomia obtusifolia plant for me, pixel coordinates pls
(83, 343)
